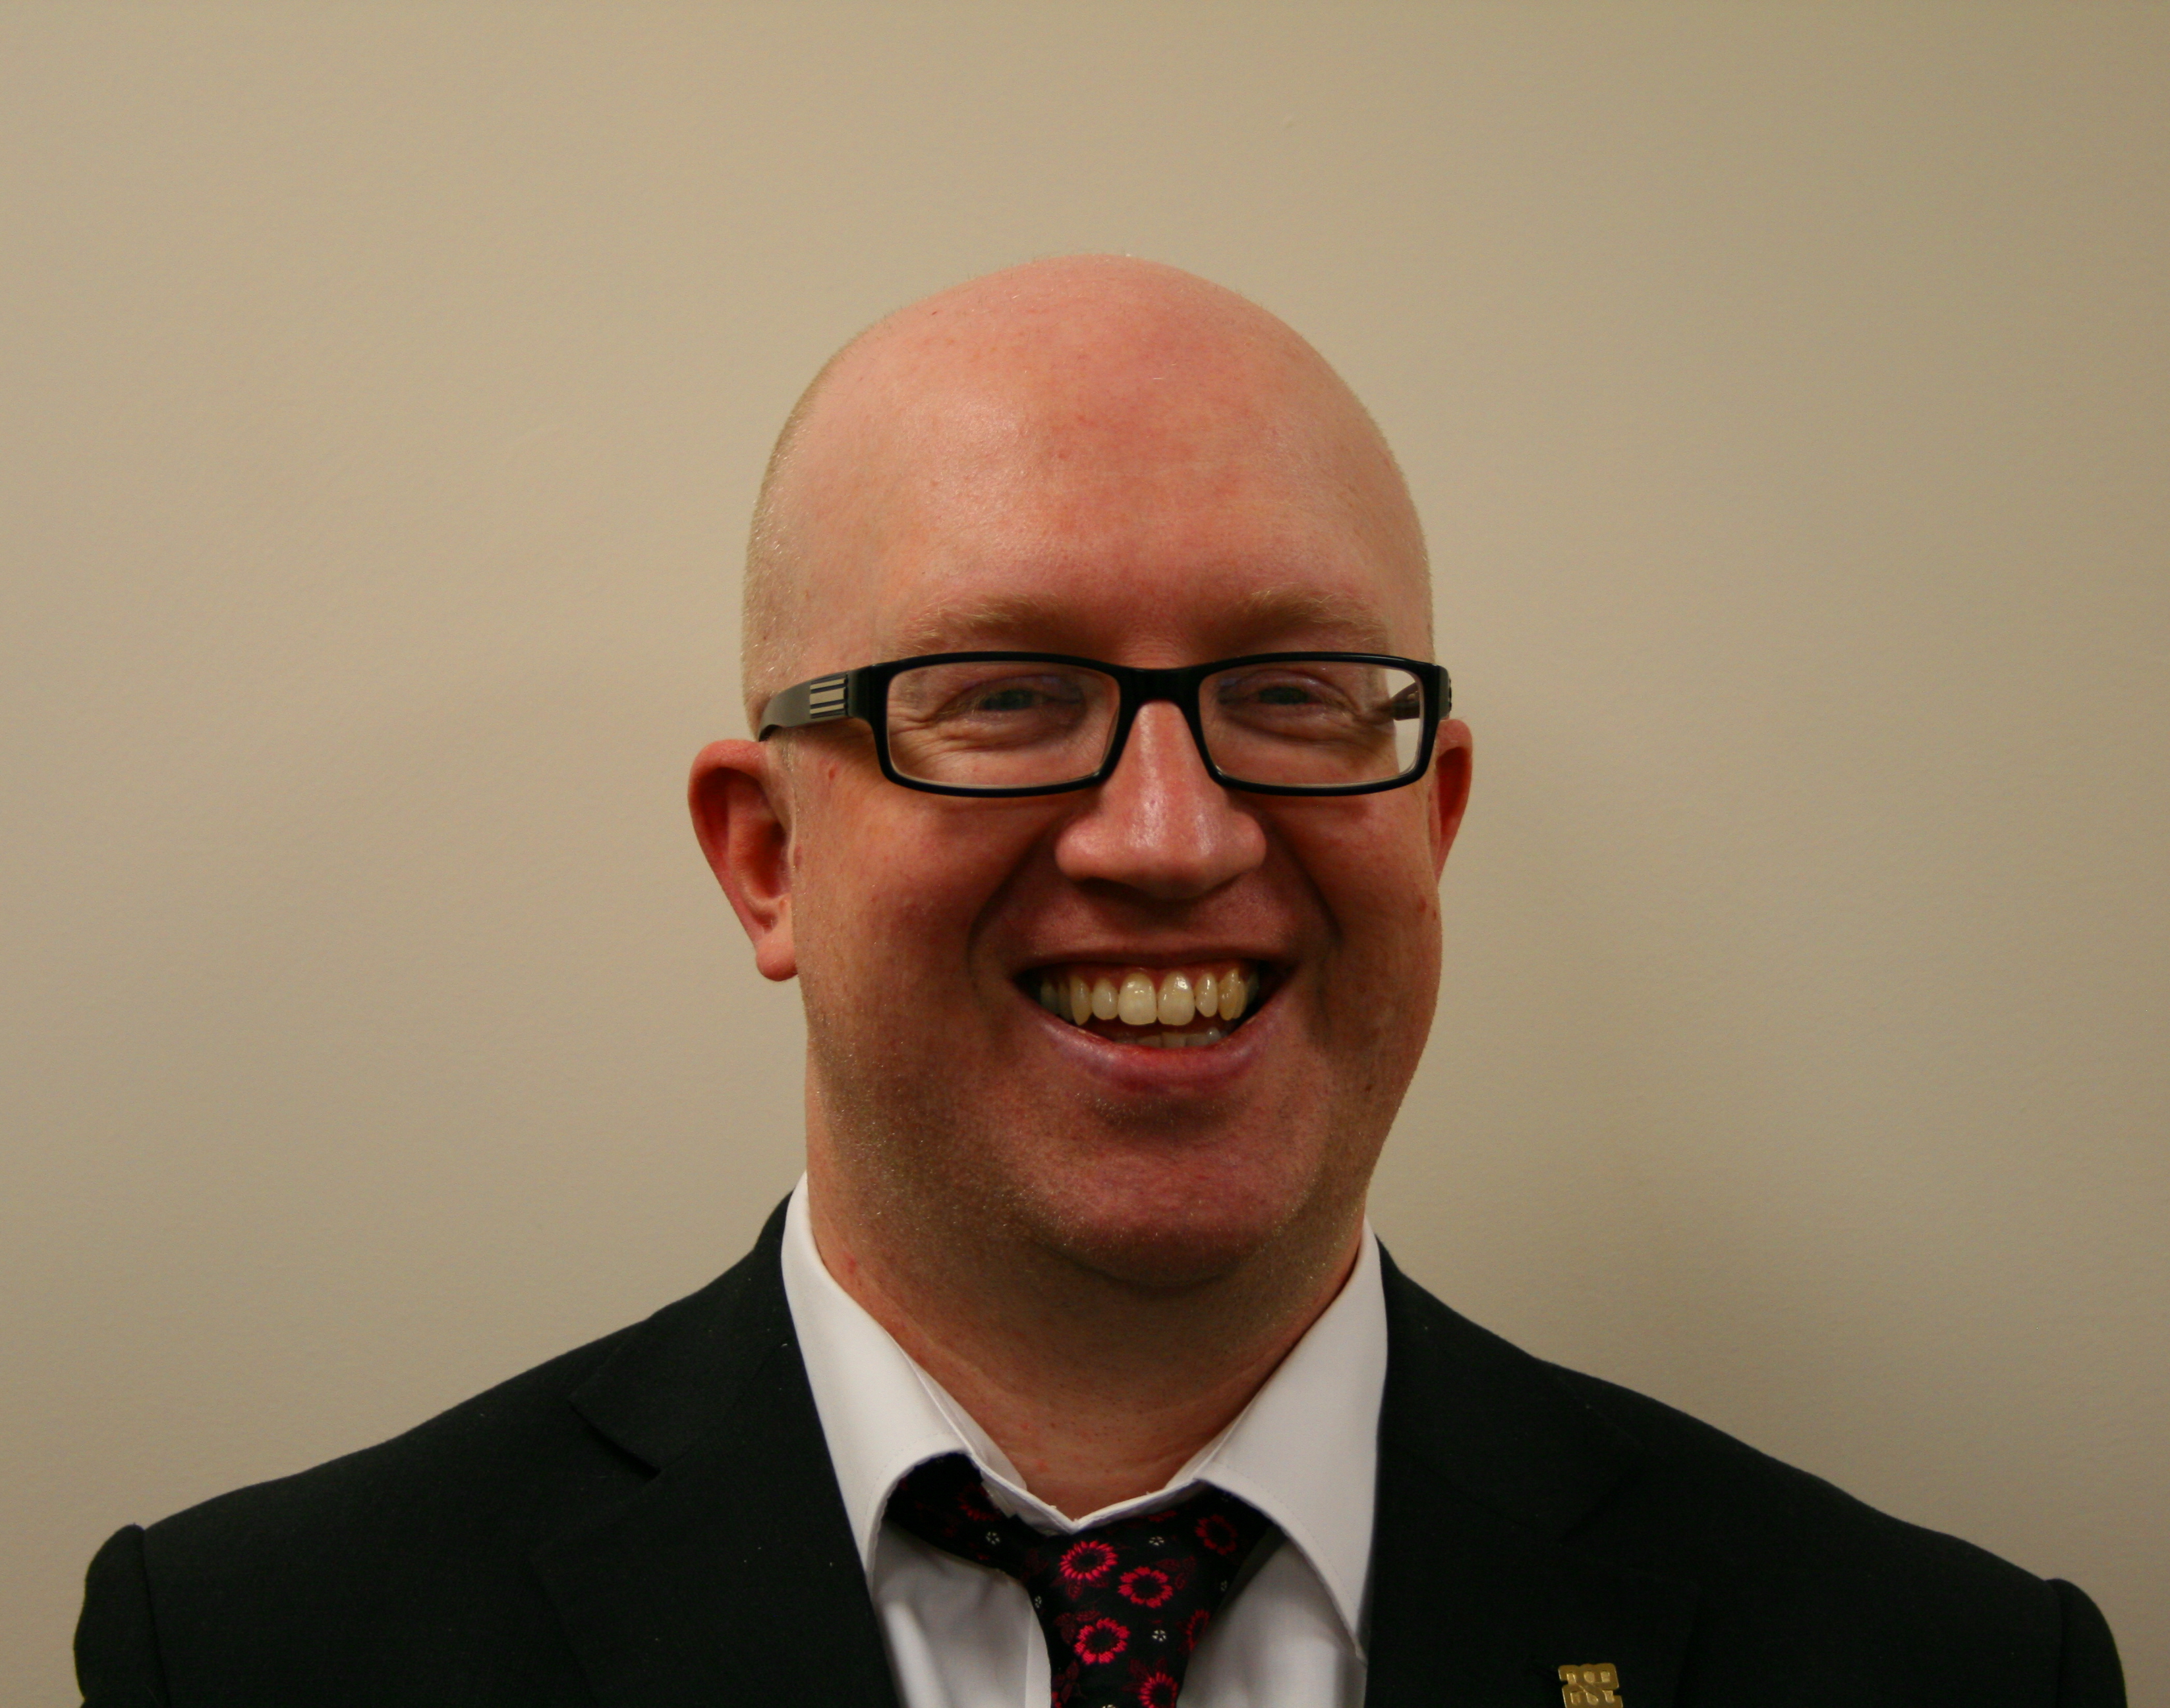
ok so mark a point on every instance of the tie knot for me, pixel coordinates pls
(1122, 1605)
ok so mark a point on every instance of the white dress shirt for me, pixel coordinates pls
(1304, 1452)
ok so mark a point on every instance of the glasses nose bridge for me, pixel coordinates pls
(1177, 685)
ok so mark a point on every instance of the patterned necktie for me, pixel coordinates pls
(1123, 1604)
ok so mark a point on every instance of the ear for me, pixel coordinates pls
(734, 793)
(1453, 752)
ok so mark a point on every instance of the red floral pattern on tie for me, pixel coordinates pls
(1088, 1562)
(1123, 1604)
(1159, 1691)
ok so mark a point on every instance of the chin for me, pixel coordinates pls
(1166, 1225)
(1158, 1259)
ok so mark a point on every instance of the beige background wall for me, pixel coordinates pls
(381, 394)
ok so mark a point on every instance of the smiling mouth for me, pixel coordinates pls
(1190, 1007)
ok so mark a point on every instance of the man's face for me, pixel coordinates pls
(928, 930)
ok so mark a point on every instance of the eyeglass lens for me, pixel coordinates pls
(1308, 722)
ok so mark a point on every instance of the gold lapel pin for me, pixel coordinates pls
(1595, 1686)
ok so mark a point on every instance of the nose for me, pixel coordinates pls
(1160, 824)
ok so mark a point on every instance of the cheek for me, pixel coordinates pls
(1373, 871)
(890, 893)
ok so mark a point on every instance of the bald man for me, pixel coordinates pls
(1102, 779)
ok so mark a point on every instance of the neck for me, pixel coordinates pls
(1067, 1370)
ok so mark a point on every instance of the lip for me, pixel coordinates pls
(1161, 960)
(1127, 1068)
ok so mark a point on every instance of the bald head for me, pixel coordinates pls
(1018, 413)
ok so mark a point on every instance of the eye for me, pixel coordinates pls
(1260, 693)
(992, 701)
(1012, 697)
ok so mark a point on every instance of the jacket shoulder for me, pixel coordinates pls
(1785, 1565)
(482, 1460)
(409, 1560)
(1700, 1490)
(1790, 1564)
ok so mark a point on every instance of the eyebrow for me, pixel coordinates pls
(1314, 611)
(997, 616)
(1317, 616)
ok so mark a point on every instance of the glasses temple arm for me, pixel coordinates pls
(820, 700)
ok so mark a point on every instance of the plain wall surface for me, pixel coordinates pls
(1786, 390)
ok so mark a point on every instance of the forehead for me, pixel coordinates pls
(1144, 525)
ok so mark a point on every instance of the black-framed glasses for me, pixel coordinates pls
(1038, 724)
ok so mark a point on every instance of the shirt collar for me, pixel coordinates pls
(1305, 1451)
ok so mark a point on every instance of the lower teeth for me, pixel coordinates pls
(1180, 1040)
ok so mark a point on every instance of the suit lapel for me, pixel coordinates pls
(731, 1575)
(1487, 1467)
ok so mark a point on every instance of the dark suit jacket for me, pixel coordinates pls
(652, 1520)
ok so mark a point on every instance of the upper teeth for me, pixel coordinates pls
(1142, 997)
